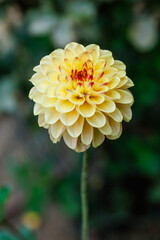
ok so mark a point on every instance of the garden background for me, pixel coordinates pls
(40, 181)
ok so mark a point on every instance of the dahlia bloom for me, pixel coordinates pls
(81, 93)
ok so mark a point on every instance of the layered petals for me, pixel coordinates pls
(81, 94)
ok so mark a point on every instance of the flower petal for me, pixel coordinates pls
(41, 120)
(113, 83)
(80, 146)
(79, 49)
(95, 99)
(69, 118)
(128, 84)
(116, 130)
(75, 98)
(64, 106)
(113, 94)
(69, 54)
(123, 81)
(52, 76)
(107, 106)
(38, 108)
(87, 133)
(119, 65)
(69, 141)
(97, 120)
(35, 95)
(51, 115)
(50, 91)
(106, 129)
(61, 92)
(126, 96)
(98, 138)
(126, 111)
(116, 115)
(57, 129)
(76, 129)
(86, 109)
(48, 102)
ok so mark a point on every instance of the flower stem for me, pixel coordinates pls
(84, 197)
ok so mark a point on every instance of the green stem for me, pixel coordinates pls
(84, 197)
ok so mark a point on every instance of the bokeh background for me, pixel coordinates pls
(39, 181)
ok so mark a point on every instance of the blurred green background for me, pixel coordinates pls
(39, 181)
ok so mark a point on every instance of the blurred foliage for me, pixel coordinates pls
(125, 181)
(5, 192)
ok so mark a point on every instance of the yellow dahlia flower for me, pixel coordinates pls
(81, 93)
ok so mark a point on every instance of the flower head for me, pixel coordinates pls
(81, 93)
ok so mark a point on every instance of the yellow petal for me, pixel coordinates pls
(106, 129)
(105, 54)
(76, 129)
(64, 106)
(97, 120)
(126, 111)
(79, 49)
(116, 115)
(86, 109)
(69, 118)
(115, 126)
(57, 53)
(91, 47)
(125, 96)
(71, 45)
(76, 63)
(107, 106)
(41, 120)
(69, 141)
(99, 89)
(98, 138)
(99, 65)
(95, 99)
(56, 63)
(128, 84)
(87, 133)
(113, 94)
(68, 63)
(95, 54)
(35, 95)
(69, 54)
(57, 129)
(54, 140)
(41, 84)
(110, 61)
(61, 92)
(37, 68)
(80, 146)
(48, 102)
(46, 67)
(38, 76)
(94, 51)
(121, 74)
(113, 83)
(84, 57)
(52, 76)
(38, 108)
(50, 91)
(76, 99)
(51, 115)
(123, 81)
(116, 131)
(119, 65)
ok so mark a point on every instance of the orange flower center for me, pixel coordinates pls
(86, 74)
